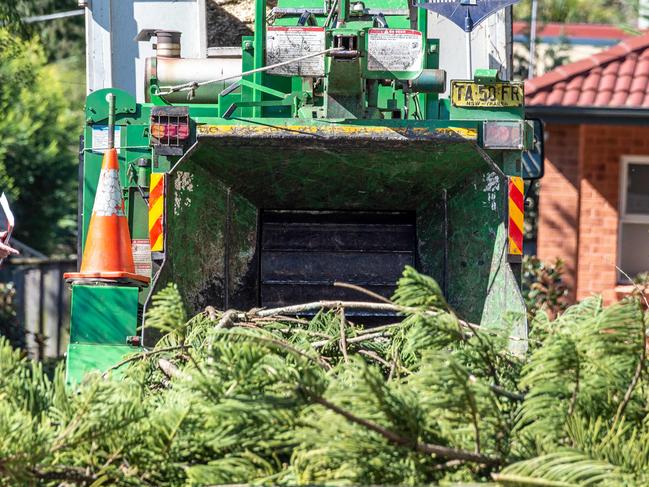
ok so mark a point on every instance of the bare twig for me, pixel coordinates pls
(343, 337)
(305, 332)
(474, 412)
(505, 393)
(211, 313)
(143, 355)
(393, 367)
(276, 318)
(316, 305)
(641, 362)
(361, 289)
(375, 356)
(227, 319)
(397, 439)
(356, 339)
(285, 346)
(635, 286)
(170, 370)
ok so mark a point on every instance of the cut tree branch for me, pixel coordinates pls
(427, 448)
(356, 339)
(316, 305)
(361, 289)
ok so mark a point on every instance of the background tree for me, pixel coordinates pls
(621, 12)
(41, 123)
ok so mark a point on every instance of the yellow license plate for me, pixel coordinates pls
(493, 95)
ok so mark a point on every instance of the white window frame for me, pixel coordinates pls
(623, 217)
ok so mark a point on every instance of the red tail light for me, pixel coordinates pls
(169, 130)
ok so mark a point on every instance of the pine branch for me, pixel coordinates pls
(641, 361)
(426, 448)
(575, 392)
(285, 346)
(505, 393)
(523, 480)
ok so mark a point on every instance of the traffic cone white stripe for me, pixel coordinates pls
(108, 201)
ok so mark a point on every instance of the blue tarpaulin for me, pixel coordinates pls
(466, 14)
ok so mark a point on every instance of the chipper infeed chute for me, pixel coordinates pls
(288, 210)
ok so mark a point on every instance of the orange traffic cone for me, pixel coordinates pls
(108, 253)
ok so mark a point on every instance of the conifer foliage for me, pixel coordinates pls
(262, 397)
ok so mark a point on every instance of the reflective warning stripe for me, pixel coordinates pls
(108, 200)
(516, 215)
(156, 212)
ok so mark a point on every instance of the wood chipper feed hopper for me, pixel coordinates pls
(319, 152)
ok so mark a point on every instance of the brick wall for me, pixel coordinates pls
(578, 205)
(602, 150)
(559, 199)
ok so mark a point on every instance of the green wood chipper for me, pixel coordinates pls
(322, 151)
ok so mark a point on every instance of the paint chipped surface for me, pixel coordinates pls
(184, 185)
(492, 188)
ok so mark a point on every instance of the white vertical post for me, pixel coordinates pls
(532, 66)
(643, 14)
(469, 67)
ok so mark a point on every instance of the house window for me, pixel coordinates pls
(633, 253)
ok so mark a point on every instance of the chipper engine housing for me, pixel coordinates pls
(320, 151)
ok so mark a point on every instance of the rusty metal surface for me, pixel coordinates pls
(344, 134)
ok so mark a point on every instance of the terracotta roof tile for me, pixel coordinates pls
(540, 98)
(616, 77)
(588, 31)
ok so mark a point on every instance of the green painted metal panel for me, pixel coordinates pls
(103, 314)
(84, 358)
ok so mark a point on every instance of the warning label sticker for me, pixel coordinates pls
(141, 249)
(100, 138)
(394, 50)
(287, 43)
